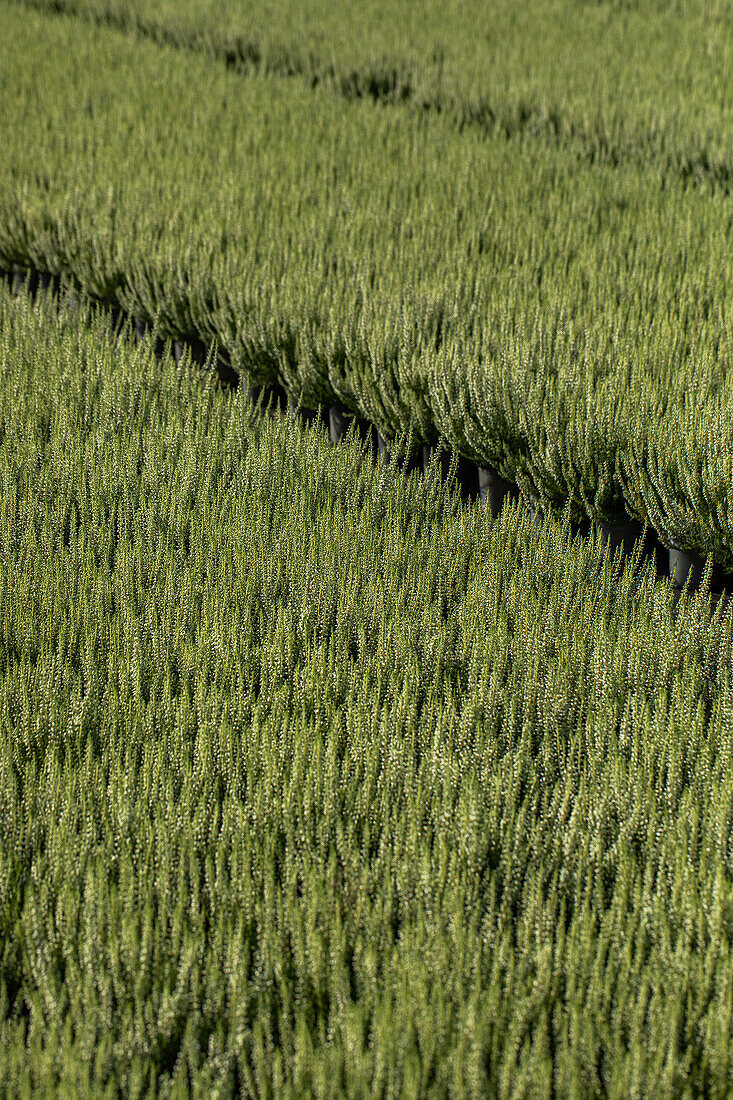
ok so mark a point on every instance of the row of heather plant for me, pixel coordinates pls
(567, 325)
(647, 82)
(315, 783)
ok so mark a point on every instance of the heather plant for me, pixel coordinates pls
(680, 477)
(548, 72)
(315, 782)
(500, 295)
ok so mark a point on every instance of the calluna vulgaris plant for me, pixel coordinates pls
(315, 782)
(501, 295)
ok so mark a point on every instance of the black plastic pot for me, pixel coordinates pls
(467, 478)
(272, 400)
(407, 463)
(203, 354)
(228, 377)
(537, 516)
(199, 351)
(339, 422)
(654, 550)
(442, 464)
(116, 317)
(684, 564)
(252, 394)
(26, 280)
(615, 535)
(466, 471)
(143, 330)
(306, 416)
(493, 489)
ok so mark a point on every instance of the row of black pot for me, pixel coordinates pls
(482, 483)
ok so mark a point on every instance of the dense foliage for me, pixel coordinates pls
(313, 782)
(566, 324)
(640, 81)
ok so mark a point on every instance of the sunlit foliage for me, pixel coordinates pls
(315, 782)
(566, 323)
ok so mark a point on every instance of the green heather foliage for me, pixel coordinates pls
(314, 783)
(641, 81)
(557, 320)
